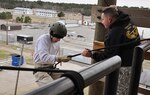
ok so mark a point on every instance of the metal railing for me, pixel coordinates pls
(137, 61)
(64, 86)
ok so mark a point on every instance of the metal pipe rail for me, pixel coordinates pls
(138, 57)
(91, 74)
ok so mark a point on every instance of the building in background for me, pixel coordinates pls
(44, 12)
(37, 12)
(19, 10)
(10, 27)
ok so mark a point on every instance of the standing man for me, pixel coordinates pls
(121, 30)
(46, 53)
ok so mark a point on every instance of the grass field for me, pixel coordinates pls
(4, 54)
(38, 19)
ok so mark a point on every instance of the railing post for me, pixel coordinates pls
(111, 83)
(136, 71)
(138, 58)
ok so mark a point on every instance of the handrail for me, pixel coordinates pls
(91, 74)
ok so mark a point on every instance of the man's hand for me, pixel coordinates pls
(86, 53)
(63, 59)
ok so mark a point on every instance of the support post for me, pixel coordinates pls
(138, 58)
(111, 83)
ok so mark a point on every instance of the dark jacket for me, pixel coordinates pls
(120, 32)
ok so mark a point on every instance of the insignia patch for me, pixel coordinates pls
(132, 32)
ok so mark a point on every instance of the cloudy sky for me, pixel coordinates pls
(135, 3)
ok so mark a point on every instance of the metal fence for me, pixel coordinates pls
(91, 74)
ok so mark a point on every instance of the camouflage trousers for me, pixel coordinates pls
(124, 80)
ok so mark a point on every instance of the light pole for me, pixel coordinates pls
(7, 27)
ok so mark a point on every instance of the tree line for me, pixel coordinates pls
(22, 19)
(84, 9)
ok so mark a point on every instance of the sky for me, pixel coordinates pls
(129, 3)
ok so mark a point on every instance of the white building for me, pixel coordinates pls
(20, 10)
(37, 12)
(44, 12)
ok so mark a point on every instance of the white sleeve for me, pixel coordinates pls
(44, 53)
